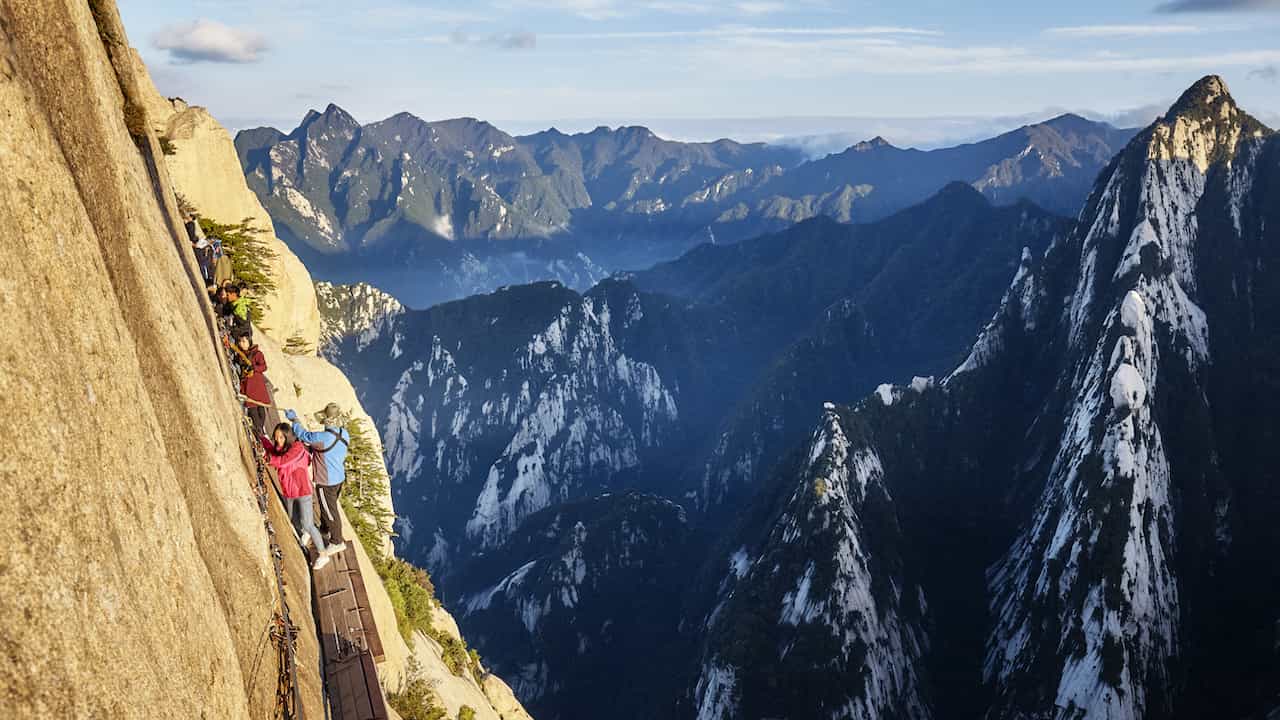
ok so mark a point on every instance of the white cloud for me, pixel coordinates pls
(761, 7)
(515, 40)
(610, 9)
(1270, 73)
(209, 41)
(589, 9)
(1107, 31)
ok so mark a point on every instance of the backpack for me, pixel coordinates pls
(320, 471)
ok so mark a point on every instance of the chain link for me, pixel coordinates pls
(284, 633)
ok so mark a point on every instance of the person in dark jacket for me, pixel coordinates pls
(236, 311)
(202, 248)
(253, 382)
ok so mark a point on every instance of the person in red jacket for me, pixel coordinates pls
(253, 382)
(291, 459)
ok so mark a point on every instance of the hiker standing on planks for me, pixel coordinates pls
(290, 459)
(329, 455)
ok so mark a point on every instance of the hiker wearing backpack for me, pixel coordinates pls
(329, 456)
(290, 458)
(203, 249)
(220, 261)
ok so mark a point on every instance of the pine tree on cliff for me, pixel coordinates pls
(251, 257)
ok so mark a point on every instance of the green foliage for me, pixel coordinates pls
(166, 145)
(296, 345)
(454, 653)
(820, 487)
(366, 487)
(415, 700)
(251, 257)
(412, 594)
(466, 712)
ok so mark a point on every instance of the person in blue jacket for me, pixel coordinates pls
(328, 470)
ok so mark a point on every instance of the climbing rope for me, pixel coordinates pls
(283, 632)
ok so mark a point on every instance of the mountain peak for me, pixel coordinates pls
(333, 116)
(1073, 122)
(1207, 92)
(872, 144)
(1205, 126)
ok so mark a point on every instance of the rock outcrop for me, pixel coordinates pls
(205, 171)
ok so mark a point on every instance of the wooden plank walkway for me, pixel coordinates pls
(349, 639)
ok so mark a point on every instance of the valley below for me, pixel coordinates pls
(963, 456)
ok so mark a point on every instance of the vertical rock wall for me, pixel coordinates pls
(136, 572)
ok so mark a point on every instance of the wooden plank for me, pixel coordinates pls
(345, 692)
(378, 704)
(372, 640)
(349, 638)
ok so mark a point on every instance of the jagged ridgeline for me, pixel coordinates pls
(1080, 521)
(434, 211)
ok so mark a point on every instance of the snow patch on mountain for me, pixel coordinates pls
(1116, 603)
(360, 313)
(833, 594)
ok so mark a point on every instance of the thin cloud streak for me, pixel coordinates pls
(1111, 31)
(731, 32)
(1217, 6)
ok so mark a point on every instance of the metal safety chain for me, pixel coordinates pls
(284, 633)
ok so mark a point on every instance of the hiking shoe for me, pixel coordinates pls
(320, 562)
(335, 548)
(305, 540)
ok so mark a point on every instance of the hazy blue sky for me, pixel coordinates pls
(803, 67)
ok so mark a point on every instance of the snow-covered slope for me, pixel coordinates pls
(506, 404)
(352, 317)
(1094, 452)
(815, 617)
(591, 577)
(1099, 558)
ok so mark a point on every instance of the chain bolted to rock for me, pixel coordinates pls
(284, 633)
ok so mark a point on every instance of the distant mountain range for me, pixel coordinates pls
(437, 210)
(690, 492)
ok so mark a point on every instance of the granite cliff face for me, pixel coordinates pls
(206, 173)
(135, 530)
